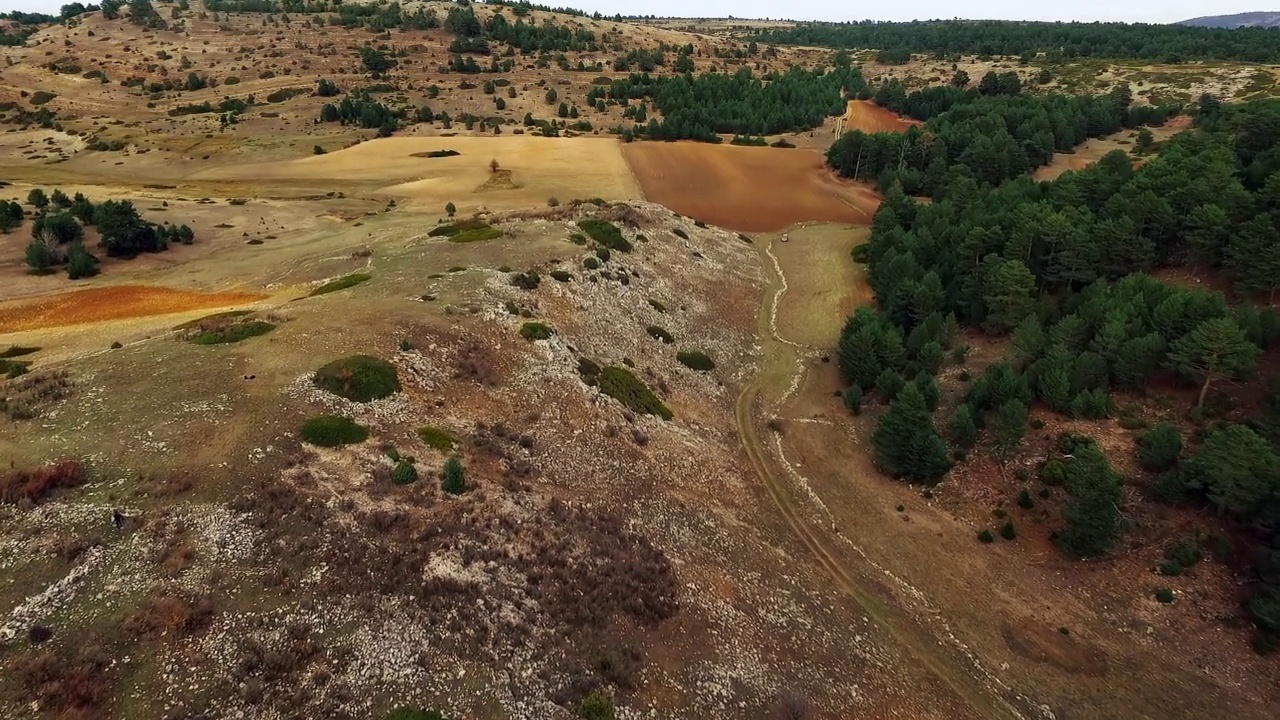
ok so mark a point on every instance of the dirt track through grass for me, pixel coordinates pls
(972, 685)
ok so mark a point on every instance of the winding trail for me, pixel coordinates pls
(783, 362)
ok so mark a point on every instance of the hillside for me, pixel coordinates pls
(1249, 19)
(430, 361)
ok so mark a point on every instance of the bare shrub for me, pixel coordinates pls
(170, 613)
(25, 397)
(791, 705)
(34, 485)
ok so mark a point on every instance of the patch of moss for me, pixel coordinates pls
(360, 378)
(476, 235)
(341, 283)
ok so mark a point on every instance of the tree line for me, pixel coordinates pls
(701, 107)
(993, 132)
(1063, 269)
(942, 38)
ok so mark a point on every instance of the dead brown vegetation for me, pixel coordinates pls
(34, 485)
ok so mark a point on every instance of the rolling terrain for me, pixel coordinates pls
(502, 411)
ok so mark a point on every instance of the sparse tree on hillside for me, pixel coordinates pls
(906, 444)
(451, 209)
(494, 166)
(80, 264)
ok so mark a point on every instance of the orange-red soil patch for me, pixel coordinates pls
(112, 303)
(868, 117)
(750, 189)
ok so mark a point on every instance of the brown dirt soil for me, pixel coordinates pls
(749, 189)
(112, 303)
(868, 117)
(1092, 150)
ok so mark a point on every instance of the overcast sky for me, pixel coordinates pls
(1132, 11)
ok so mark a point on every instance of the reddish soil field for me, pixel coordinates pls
(868, 117)
(112, 303)
(749, 189)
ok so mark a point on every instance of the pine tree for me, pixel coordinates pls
(1008, 292)
(906, 444)
(80, 264)
(1010, 427)
(1238, 470)
(1215, 350)
(1094, 494)
(964, 432)
(39, 257)
(453, 477)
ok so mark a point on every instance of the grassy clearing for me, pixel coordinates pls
(234, 333)
(437, 438)
(333, 431)
(621, 385)
(341, 283)
(605, 233)
(359, 378)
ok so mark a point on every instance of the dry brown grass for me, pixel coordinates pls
(34, 485)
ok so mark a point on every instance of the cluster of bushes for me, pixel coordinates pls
(57, 232)
(333, 431)
(621, 385)
(363, 111)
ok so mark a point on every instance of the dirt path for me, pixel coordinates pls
(949, 662)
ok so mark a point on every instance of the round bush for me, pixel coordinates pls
(404, 474)
(333, 431)
(359, 378)
(696, 361)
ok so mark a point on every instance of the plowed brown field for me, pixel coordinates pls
(868, 117)
(112, 303)
(750, 189)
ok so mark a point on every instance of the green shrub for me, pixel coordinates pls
(561, 275)
(341, 283)
(455, 229)
(476, 235)
(589, 371)
(621, 385)
(597, 706)
(695, 360)
(333, 431)
(591, 263)
(536, 331)
(852, 399)
(605, 233)
(453, 479)
(234, 333)
(1159, 447)
(1181, 555)
(404, 474)
(437, 438)
(986, 537)
(657, 306)
(1024, 499)
(40, 97)
(658, 333)
(680, 234)
(1007, 531)
(1164, 595)
(1053, 472)
(359, 378)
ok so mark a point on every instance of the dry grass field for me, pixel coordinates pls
(742, 559)
(747, 188)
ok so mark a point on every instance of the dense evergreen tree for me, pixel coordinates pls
(1094, 493)
(906, 444)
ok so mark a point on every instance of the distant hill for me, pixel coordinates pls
(1249, 19)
